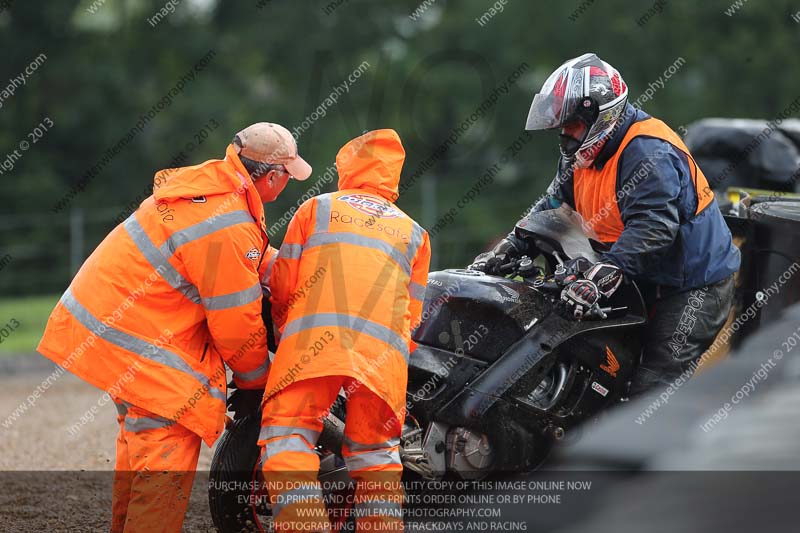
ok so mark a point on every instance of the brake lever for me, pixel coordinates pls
(602, 313)
(596, 312)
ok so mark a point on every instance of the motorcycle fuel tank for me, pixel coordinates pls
(479, 315)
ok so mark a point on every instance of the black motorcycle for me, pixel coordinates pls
(498, 376)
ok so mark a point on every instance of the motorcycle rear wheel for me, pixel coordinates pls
(230, 475)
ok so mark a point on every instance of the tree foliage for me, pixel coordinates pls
(278, 60)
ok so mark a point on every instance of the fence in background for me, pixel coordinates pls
(28, 266)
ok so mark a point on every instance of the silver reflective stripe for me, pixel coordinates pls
(253, 375)
(135, 344)
(234, 299)
(290, 251)
(268, 272)
(354, 446)
(122, 408)
(386, 456)
(323, 219)
(270, 432)
(295, 443)
(377, 508)
(321, 239)
(158, 261)
(261, 459)
(134, 425)
(302, 494)
(201, 229)
(373, 329)
(416, 240)
(416, 291)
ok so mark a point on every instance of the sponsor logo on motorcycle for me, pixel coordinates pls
(513, 296)
(370, 206)
(611, 365)
(599, 389)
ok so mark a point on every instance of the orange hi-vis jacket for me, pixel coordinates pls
(350, 278)
(596, 190)
(170, 294)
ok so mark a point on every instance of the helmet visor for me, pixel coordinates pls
(555, 104)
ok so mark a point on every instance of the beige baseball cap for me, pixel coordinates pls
(269, 143)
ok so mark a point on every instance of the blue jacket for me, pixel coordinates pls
(663, 242)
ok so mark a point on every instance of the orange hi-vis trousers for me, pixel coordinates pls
(290, 426)
(156, 463)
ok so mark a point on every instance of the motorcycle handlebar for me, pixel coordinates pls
(508, 268)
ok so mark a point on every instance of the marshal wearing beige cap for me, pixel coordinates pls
(205, 230)
(271, 144)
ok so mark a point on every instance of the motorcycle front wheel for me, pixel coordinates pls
(234, 506)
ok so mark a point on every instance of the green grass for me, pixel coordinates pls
(31, 312)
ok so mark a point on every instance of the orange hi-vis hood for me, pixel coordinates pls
(210, 178)
(206, 179)
(372, 162)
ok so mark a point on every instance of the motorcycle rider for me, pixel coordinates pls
(636, 185)
(173, 296)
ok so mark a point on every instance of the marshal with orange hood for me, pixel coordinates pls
(350, 278)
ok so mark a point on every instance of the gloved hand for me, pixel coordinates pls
(571, 270)
(244, 402)
(579, 297)
(607, 276)
(487, 262)
(490, 262)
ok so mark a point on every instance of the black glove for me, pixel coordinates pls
(266, 317)
(243, 402)
(579, 297)
(490, 262)
(571, 270)
(607, 276)
(487, 262)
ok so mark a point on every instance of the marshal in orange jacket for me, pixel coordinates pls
(350, 277)
(170, 294)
